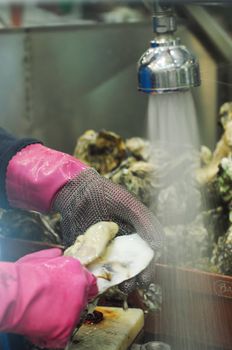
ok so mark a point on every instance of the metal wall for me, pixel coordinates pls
(12, 97)
(57, 82)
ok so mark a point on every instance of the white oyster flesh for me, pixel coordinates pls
(90, 246)
(124, 258)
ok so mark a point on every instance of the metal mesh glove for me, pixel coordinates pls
(90, 198)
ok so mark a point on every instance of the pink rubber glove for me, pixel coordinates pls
(43, 295)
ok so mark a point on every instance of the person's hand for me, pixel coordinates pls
(39, 178)
(45, 297)
(90, 198)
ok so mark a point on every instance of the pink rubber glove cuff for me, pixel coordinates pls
(36, 173)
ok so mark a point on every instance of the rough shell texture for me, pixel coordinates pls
(138, 177)
(102, 150)
(139, 148)
(223, 149)
(222, 254)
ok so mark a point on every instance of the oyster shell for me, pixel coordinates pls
(103, 150)
(222, 253)
(139, 148)
(29, 225)
(112, 263)
(124, 258)
(138, 177)
(223, 148)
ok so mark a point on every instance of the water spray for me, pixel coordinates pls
(166, 72)
(167, 66)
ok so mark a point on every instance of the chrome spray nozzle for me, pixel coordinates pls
(167, 66)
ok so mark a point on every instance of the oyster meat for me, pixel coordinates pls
(92, 244)
(112, 263)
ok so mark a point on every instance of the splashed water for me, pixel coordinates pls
(173, 132)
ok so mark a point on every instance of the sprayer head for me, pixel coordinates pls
(167, 66)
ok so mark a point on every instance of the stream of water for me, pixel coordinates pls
(172, 128)
(172, 120)
(173, 133)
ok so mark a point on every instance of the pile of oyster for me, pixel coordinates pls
(147, 171)
(215, 179)
(123, 161)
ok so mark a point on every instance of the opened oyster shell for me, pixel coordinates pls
(112, 261)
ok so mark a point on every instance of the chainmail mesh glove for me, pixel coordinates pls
(90, 198)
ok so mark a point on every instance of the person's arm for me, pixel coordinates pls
(43, 295)
(42, 179)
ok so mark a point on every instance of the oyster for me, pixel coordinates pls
(224, 179)
(29, 225)
(222, 254)
(137, 177)
(139, 148)
(92, 244)
(112, 263)
(104, 150)
(124, 258)
(223, 149)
